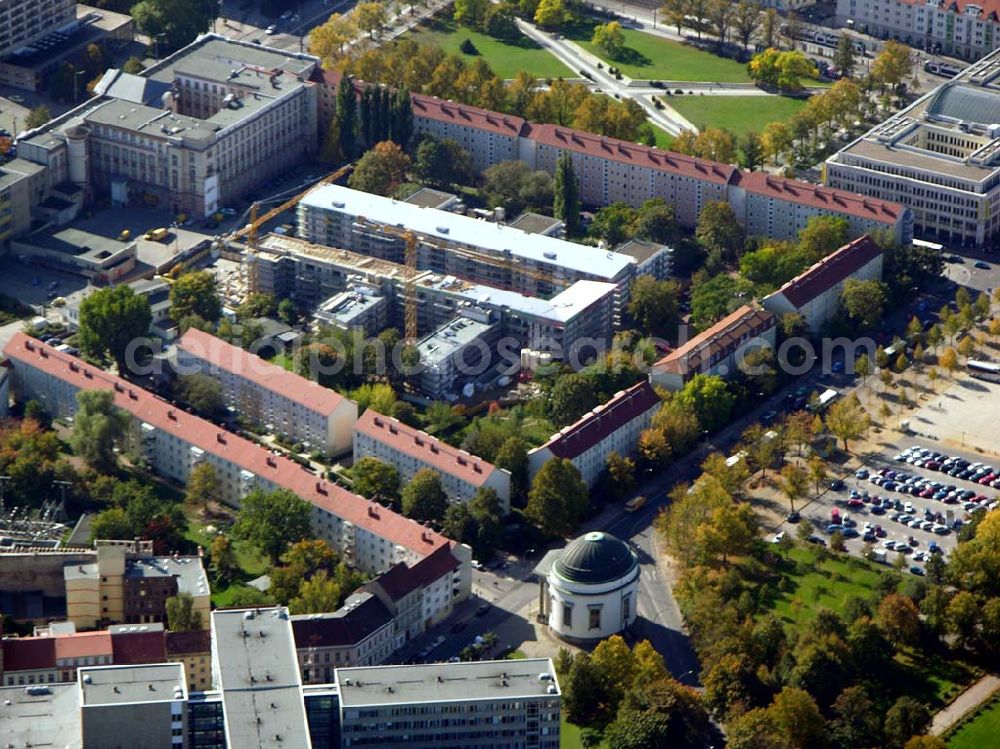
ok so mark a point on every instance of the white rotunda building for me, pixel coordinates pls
(588, 590)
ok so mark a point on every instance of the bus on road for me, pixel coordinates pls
(984, 370)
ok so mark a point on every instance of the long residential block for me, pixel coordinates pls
(285, 402)
(614, 426)
(410, 450)
(815, 293)
(368, 536)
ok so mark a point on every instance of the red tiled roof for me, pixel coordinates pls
(631, 153)
(723, 337)
(195, 642)
(196, 431)
(83, 644)
(830, 271)
(823, 198)
(604, 420)
(29, 653)
(400, 580)
(429, 450)
(242, 363)
(139, 647)
(463, 114)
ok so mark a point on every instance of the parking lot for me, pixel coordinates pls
(961, 417)
(977, 275)
(896, 517)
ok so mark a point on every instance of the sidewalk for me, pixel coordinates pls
(966, 702)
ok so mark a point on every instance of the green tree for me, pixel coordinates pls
(844, 58)
(864, 301)
(611, 223)
(98, 427)
(905, 719)
(653, 304)
(899, 620)
(658, 714)
(316, 595)
(423, 498)
(381, 170)
(181, 614)
(855, 722)
(691, 509)
(513, 456)
(558, 498)
(175, 23)
(513, 186)
(566, 203)
(37, 116)
(377, 396)
(794, 483)
(112, 524)
(550, 13)
(655, 221)
(712, 298)
(822, 235)
(471, 13)
(371, 17)
(709, 399)
(719, 231)
(202, 393)
(195, 293)
(327, 41)
(478, 522)
(571, 397)
(621, 473)
(203, 485)
(272, 520)
(609, 37)
(847, 420)
(893, 65)
(110, 320)
(376, 480)
(223, 560)
(345, 119)
(751, 149)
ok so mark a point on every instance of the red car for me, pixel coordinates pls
(987, 478)
(854, 503)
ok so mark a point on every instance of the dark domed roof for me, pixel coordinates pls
(595, 558)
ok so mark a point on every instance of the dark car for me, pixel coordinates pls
(983, 265)
(483, 609)
(838, 485)
(793, 517)
(916, 570)
(458, 627)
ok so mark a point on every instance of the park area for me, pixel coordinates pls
(649, 57)
(506, 57)
(980, 731)
(737, 114)
(814, 580)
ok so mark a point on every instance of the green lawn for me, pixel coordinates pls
(663, 139)
(251, 562)
(981, 731)
(738, 114)
(507, 58)
(828, 584)
(654, 58)
(569, 736)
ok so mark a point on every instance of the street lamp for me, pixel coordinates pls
(76, 83)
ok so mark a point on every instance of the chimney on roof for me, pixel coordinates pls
(477, 468)
(220, 438)
(43, 352)
(133, 395)
(271, 462)
(171, 415)
(320, 488)
(29, 346)
(118, 385)
(373, 510)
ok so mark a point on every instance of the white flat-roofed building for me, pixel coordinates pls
(940, 157)
(532, 264)
(486, 704)
(410, 450)
(269, 395)
(815, 293)
(133, 705)
(368, 536)
(256, 669)
(614, 426)
(192, 133)
(457, 354)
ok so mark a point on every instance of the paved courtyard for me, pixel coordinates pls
(962, 416)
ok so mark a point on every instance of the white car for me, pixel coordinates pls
(270, 29)
(16, 98)
(778, 537)
(908, 508)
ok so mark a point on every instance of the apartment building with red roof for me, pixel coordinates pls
(488, 136)
(815, 293)
(778, 207)
(614, 426)
(371, 537)
(289, 404)
(719, 350)
(410, 450)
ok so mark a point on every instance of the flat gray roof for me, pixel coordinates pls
(48, 719)
(119, 685)
(449, 338)
(446, 227)
(534, 223)
(445, 682)
(254, 653)
(428, 197)
(189, 571)
(77, 242)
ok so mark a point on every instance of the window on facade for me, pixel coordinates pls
(594, 618)
(567, 615)
(626, 608)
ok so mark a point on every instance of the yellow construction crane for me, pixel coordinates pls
(251, 230)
